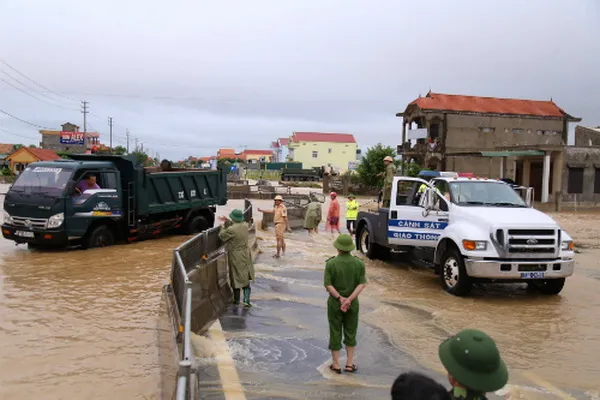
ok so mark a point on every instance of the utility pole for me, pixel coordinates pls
(142, 147)
(136, 144)
(127, 134)
(110, 124)
(84, 111)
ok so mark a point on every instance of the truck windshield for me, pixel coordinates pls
(488, 194)
(44, 180)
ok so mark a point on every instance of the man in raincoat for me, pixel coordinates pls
(388, 180)
(474, 365)
(314, 214)
(352, 207)
(234, 233)
(344, 280)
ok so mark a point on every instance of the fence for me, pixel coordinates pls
(198, 293)
(296, 207)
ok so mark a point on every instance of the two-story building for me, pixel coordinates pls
(280, 150)
(69, 139)
(314, 149)
(495, 137)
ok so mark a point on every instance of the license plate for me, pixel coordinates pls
(24, 234)
(532, 275)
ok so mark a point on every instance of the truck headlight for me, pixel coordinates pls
(56, 220)
(567, 245)
(473, 245)
(7, 218)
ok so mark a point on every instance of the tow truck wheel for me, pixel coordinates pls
(101, 236)
(365, 244)
(453, 273)
(549, 286)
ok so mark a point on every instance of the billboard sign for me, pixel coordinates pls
(72, 138)
(353, 165)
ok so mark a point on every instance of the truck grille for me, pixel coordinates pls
(529, 241)
(30, 223)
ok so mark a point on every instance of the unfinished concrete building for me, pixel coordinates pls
(524, 140)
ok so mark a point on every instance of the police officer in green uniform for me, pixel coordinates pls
(474, 365)
(388, 180)
(344, 280)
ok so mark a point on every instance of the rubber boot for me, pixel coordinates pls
(247, 297)
(236, 296)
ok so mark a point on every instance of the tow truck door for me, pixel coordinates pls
(411, 222)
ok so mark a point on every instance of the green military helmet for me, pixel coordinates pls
(236, 215)
(472, 358)
(344, 242)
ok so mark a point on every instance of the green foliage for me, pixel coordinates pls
(269, 175)
(143, 158)
(6, 172)
(32, 146)
(120, 150)
(372, 164)
(222, 162)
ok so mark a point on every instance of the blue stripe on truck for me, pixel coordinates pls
(407, 223)
(404, 235)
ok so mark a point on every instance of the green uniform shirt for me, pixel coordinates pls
(345, 272)
(466, 394)
(390, 172)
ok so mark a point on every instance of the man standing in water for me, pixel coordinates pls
(388, 179)
(280, 219)
(474, 365)
(344, 280)
(234, 233)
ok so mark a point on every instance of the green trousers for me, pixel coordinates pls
(342, 324)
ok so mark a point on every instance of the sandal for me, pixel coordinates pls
(351, 368)
(336, 370)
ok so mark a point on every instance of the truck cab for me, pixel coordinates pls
(469, 230)
(95, 201)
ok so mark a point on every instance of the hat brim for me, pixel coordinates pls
(341, 247)
(474, 380)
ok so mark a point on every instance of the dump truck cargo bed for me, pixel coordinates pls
(160, 192)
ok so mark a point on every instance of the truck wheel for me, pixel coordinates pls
(453, 274)
(549, 286)
(365, 243)
(101, 236)
(196, 225)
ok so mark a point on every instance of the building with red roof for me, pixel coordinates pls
(318, 149)
(280, 150)
(520, 139)
(20, 158)
(252, 156)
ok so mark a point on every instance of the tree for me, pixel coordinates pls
(119, 150)
(142, 158)
(32, 146)
(372, 164)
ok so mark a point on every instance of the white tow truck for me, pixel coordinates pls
(469, 230)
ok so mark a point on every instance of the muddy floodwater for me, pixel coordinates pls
(83, 324)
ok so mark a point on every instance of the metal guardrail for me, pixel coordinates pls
(200, 291)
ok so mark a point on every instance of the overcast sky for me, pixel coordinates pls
(188, 77)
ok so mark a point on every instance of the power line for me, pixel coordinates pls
(36, 83)
(22, 120)
(17, 134)
(34, 97)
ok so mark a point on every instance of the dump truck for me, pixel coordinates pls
(46, 206)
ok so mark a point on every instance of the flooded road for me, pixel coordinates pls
(83, 324)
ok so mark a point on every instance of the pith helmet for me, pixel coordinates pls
(344, 243)
(236, 215)
(473, 359)
(278, 197)
(388, 158)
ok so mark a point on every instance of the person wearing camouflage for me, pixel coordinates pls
(474, 365)
(345, 279)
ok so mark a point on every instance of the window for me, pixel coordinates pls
(518, 130)
(597, 181)
(109, 180)
(329, 151)
(405, 193)
(487, 129)
(575, 183)
(315, 154)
